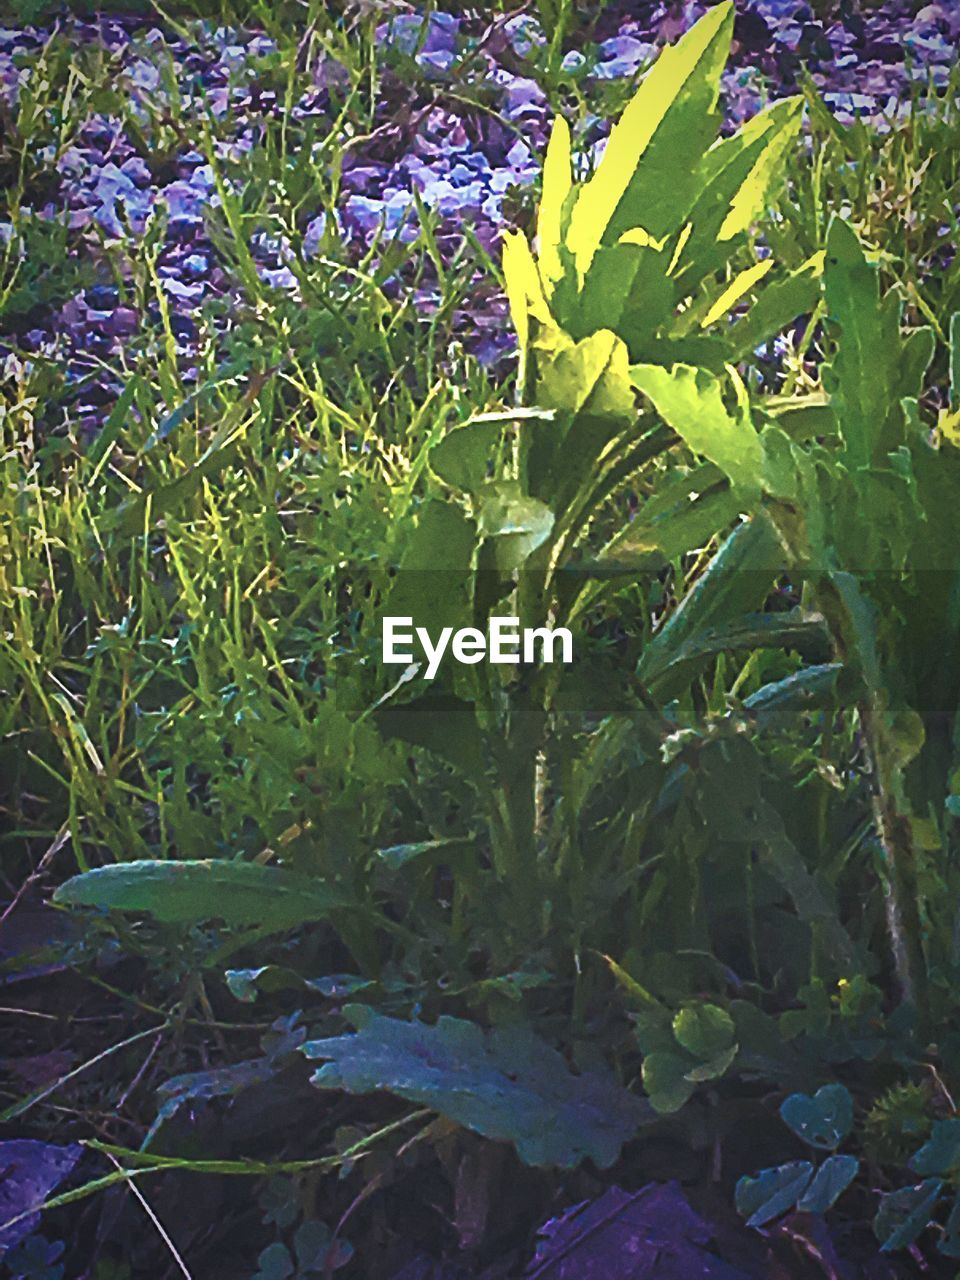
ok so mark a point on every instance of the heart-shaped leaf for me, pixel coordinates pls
(823, 1120)
(772, 1192)
(829, 1183)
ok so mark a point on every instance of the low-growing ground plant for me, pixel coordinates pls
(388, 940)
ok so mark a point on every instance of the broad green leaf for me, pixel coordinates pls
(557, 184)
(734, 808)
(462, 457)
(440, 723)
(514, 522)
(829, 1183)
(588, 385)
(869, 344)
(647, 545)
(433, 584)
(239, 893)
(736, 581)
(787, 630)
(772, 1192)
(801, 418)
(627, 290)
(665, 1080)
(592, 375)
(691, 402)
(505, 1084)
(731, 172)
(675, 106)
(704, 1030)
(778, 703)
(905, 1213)
(780, 303)
(824, 1119)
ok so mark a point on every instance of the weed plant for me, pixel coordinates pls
(569, 922)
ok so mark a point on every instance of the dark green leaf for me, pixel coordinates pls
(239, 893)
(665, 1080)
(941, 1152)
(904, 1214)
(704, 1030)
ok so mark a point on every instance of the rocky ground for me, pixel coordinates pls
(458, 123)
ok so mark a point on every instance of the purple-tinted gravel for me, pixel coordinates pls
(107, 192)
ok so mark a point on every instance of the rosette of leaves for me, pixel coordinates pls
(696, 1045)
(650, 246)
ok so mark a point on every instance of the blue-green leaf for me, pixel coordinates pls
(905, 1213)
(506, 1084)
(823, 1120)
(941, 1152)
(829, 1183)
(772, 1192)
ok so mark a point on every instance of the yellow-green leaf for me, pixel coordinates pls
(524, 286)
(557, 181)
(755, 191)
(690, 400)
(701, 49)
(740, 285)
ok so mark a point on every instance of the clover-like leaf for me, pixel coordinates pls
(665, 1080)
(829, 1183)
(773, 1191)
(705, 1030)
(823, 1120)
(715, 1067)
